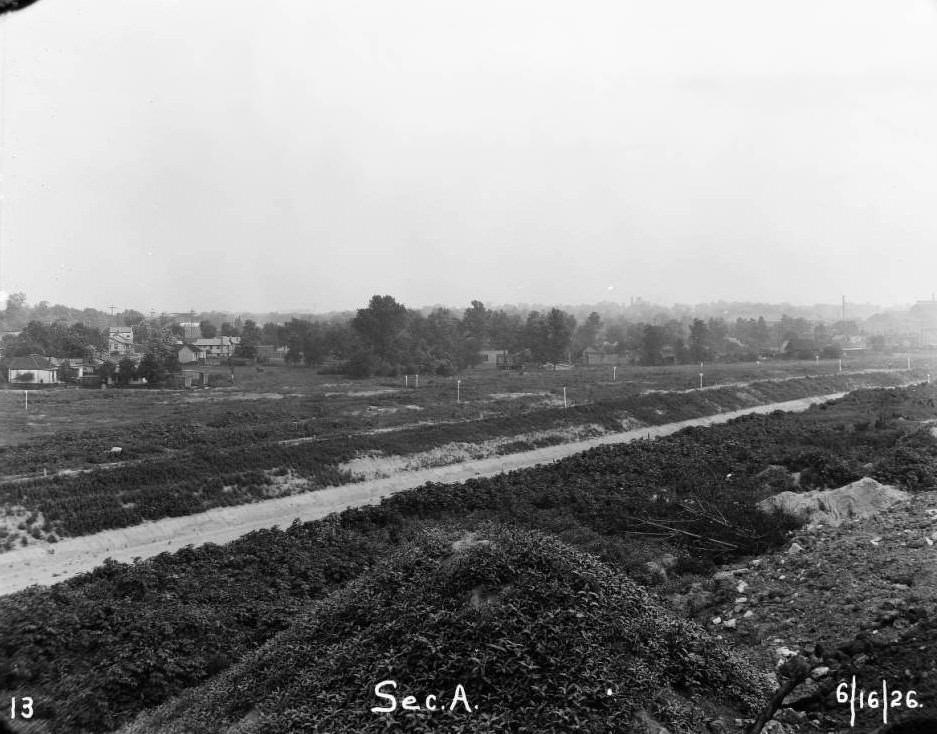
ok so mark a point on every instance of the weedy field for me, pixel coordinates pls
(92, 460)
(288, 630)
(381, 402)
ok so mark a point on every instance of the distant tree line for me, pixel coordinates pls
(388, 338)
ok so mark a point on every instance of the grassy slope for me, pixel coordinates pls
(535, 631)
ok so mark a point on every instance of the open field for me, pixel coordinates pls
(100, 648)
(226, 448)
(344, 405)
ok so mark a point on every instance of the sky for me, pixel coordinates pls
(171, 155)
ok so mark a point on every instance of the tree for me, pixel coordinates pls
(270, 334)
(548, 336)
(718, 331)
(476, 322)
(652, 344)
(229, 330)
(699, 340)
(14, 311)
(208, 329)
(505, 330)
(131, 317)
(381, 326)
(536, 336)
(151, 369)
(587, 333)
(250, 339)
(125, 371)
(560, 329)
(108, 371)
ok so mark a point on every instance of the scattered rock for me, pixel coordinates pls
(658, 568)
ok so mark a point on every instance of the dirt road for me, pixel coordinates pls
(39, 565)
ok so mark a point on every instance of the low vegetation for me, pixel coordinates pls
(98, 649)
(539, 637)
(175, 469)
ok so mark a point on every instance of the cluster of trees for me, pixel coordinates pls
(388, 338)
(57, 339)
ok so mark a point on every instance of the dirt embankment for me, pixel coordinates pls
(47, 565)
(859, 598)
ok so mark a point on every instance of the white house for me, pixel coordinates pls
(189, 353)
(120, 340)
(34, 370)
(220, 347)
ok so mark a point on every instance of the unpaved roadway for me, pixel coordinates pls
(39, 565)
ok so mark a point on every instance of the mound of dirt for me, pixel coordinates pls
(863, 498)
(501, 630)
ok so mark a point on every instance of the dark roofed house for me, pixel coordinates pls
(34, 369)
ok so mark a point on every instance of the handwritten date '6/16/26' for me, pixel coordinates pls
(889, 699)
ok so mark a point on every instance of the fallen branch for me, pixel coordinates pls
(792, 674)
(692, 535)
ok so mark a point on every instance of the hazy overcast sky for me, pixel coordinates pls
(224, 154)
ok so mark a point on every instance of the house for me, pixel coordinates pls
(488, 358)
(120, 340)
(506, 361)
(189, 353)
(220, 347)
(73, 370)
(800, 348)
(591, 356)
(32, 370)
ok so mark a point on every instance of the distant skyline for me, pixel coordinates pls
(305, 156)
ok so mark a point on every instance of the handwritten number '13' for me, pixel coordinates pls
(25, 708)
